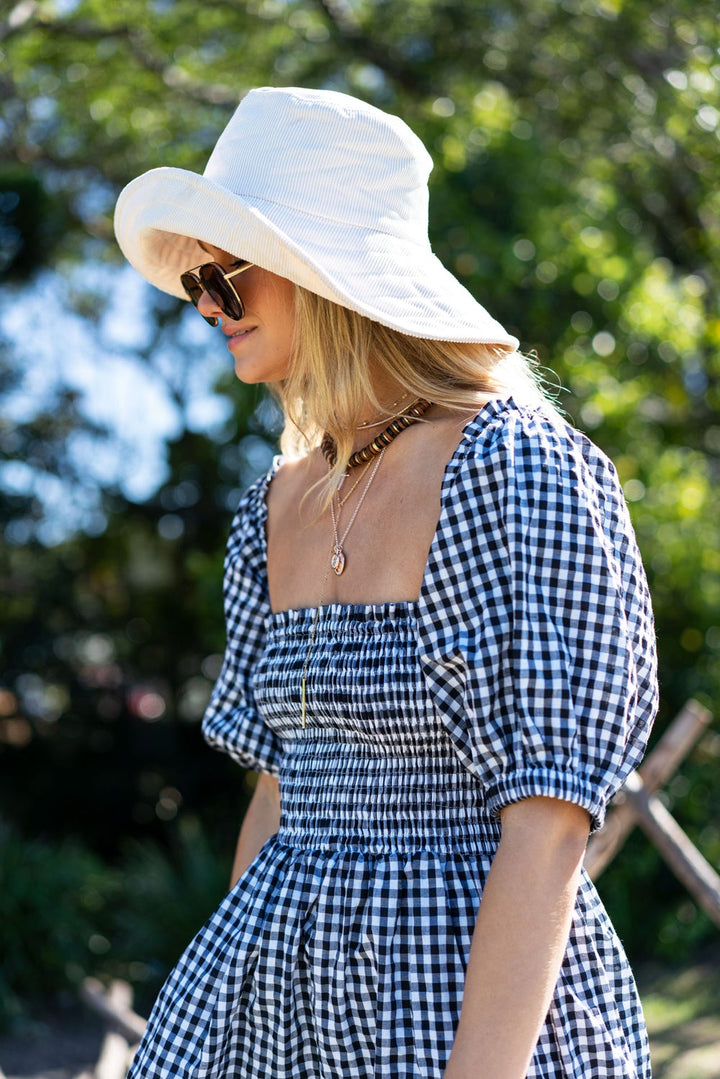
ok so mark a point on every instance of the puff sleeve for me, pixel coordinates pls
(231, 722)
(535, 625)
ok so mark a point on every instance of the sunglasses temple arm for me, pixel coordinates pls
(234, 273)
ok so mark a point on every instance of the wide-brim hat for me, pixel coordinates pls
(320, 188)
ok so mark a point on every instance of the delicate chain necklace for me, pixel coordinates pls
(383, 419)
(378, 444)
(341, 501)
(338, 559)
(337, 563)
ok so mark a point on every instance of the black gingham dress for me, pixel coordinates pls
(525, 668)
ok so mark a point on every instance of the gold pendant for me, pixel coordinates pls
(337, 560)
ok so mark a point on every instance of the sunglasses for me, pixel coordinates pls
(211, 278)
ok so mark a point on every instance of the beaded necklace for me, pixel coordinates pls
(378, 444)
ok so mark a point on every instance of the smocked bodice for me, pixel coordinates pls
(374, 766)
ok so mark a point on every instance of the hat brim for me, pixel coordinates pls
(162, 215)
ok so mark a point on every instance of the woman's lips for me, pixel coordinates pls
(239, 335)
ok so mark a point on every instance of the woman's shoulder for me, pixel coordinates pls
(505, 423)
(519, 443)
(269, 493)
(247, 532)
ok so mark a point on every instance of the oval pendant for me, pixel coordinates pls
(337, 560)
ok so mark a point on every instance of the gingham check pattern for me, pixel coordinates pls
(342, 951)
(536, 628)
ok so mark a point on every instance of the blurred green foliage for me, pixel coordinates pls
(52, 901)
(166, 898)
(575, 192)
(64, 913)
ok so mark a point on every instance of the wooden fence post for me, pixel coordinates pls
(125, 1028)
(637, 804)
(685, 860)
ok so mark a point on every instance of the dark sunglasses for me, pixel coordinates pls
(211, 278)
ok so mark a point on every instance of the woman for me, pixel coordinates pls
(440, 644)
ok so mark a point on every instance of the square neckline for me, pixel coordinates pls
(382, 609)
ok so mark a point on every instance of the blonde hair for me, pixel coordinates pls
(337, 353)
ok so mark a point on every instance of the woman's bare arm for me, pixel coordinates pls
(261, 821)
(520, 939)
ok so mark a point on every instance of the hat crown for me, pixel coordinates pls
(318, 188)
(327, 155)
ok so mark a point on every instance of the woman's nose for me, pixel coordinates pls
(208, 307)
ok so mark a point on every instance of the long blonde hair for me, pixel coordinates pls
(337, 352)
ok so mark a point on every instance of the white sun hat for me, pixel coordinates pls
(320, 188)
